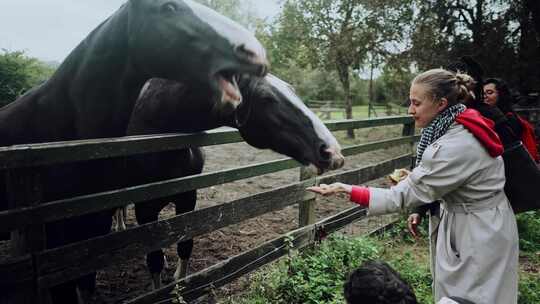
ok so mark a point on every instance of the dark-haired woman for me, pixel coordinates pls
(497, 93)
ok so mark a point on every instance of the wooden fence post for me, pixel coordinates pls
(306, 210)
(408, 130)
(24, 190)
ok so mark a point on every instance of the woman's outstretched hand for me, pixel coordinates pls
(331, 189)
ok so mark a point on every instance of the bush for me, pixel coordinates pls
(317, 275)
(313, 276)
(529, 289)
(18, 73)
(529, 231)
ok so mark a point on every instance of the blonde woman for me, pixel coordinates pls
(458, 163)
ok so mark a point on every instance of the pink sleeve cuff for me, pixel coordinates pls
(360, 195)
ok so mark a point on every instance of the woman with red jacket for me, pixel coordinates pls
(459, 163)
(497, 93)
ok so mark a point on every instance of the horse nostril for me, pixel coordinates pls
(241, 50)
(324, 152)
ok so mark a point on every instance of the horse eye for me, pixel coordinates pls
(169, 8)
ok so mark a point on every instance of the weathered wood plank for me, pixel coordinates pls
(15, 271)
(227, 271)
(61, 264)
(80, 205)
(16, 280)
(408, 130)
(362, 175)
(382, 144)
(24, 189)
(306, 210)
(71, 207)
(31, 155)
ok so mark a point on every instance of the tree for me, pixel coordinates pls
(339, 35)
(240, 11)
(534, 7)
(18, 73)
(282, 42)
(489, 30)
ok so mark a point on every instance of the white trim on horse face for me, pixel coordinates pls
(170, 32)
(321, 130)
(232, 31)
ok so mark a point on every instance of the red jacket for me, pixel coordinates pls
(529, 138)
(483, 129)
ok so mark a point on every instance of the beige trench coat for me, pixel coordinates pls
(477, 241)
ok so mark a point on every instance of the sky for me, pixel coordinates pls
(50, 29)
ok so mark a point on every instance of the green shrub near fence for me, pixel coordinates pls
(317, 275)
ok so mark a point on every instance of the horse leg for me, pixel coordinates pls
(119, 219)
(184, 202)
(123, 217)
(95, 225)
(147, 212)
(115, 220)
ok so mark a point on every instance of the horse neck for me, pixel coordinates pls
(101, 81)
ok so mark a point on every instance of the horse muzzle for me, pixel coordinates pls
(257, 63)
(336, 159)
(329, 159)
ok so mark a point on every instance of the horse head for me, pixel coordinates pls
(191, 43)
(272, 116)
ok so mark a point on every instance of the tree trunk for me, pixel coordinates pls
(371, 107)
(477, 26)
(343, 71)
(534, 7)
(529, 61)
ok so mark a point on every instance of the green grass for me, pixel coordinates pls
(317, 275)
(361, 112)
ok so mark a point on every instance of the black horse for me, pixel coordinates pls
(93, 92)
(270, 116)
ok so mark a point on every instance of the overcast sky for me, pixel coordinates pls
(50, 29)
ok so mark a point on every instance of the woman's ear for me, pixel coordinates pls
(443, 104)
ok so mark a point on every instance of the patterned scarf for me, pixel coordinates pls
(437, 128)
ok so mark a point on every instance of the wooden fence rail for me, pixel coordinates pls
(226, 271)
(61, 209)
(34, 269)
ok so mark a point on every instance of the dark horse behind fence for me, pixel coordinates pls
(92, 93)
(270, 116)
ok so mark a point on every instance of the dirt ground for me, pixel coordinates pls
(124, 281)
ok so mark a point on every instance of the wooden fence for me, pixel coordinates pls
(31, 269)
(325, 108)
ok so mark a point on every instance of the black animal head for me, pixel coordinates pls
(272, 116)
(190, 43)
(376, 282)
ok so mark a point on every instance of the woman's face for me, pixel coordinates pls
(423, 108)
(490, 94)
